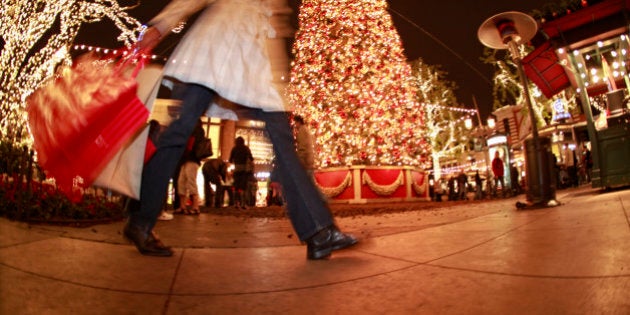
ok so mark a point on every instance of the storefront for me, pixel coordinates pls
(498, 143)
(222, 133)
(587, 50)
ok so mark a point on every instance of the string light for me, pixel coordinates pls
(350, 78)
(114, 52)
(443, 123)
(36, 37)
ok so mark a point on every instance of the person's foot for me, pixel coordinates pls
(155, 239)
(146, 243)
(191, 211)
(165, 216)
(322, 244)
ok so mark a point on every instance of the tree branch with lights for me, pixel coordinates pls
(444, 121)
(35, 39)
(507, 89)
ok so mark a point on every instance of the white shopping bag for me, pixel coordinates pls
(123, 174)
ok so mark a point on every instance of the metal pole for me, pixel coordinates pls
(590, 123)
(516, 57)
(540, 189)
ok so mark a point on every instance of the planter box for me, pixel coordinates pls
(362, 184)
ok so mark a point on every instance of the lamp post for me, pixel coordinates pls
(509, 30)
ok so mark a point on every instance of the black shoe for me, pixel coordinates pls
(322, 244)
(154, 239)
(146, 243)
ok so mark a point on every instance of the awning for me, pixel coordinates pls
(541, 66)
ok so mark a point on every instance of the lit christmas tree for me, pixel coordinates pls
(351, 80)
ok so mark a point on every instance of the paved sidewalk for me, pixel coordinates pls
(479, 258)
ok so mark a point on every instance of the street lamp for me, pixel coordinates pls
(509, 30)
(491, 123)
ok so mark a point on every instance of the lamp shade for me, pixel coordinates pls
(498, 30)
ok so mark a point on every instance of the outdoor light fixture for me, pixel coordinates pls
(509, 30)
(491, 123)
(468, 123)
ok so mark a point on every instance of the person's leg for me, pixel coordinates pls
(207, 191)
(306, 209)
(182, 191)
(188, 188)
(192, 190)
(238, 189)
(237, 197)
(194, 201)
(183, 199)
(158, 170)
(230, 193)
(308, 212)
(219, 196)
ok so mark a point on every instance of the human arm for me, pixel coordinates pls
(175, 12)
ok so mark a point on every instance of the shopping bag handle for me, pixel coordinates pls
(128, 57)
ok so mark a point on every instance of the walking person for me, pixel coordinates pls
(187, 180)
(570, 163)
(462, 183)
(587, 160)
(452, 195)
(214, 172)
(243, 160)
(478, 186)
(516, 186)
(209, 61)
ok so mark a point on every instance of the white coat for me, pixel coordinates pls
(225, 50)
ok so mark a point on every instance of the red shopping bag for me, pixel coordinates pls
(83, 116)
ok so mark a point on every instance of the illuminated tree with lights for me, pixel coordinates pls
(350, 79)
(444, 120)
(35, 36)
(507, 88)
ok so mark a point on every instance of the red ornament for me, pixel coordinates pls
(396, 153)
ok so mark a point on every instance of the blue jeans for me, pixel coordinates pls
(307, 210)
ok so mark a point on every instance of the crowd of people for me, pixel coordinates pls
(571, 168)
(231, 182)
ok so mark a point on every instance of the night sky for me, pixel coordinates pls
(440, 32)
(454, 23)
